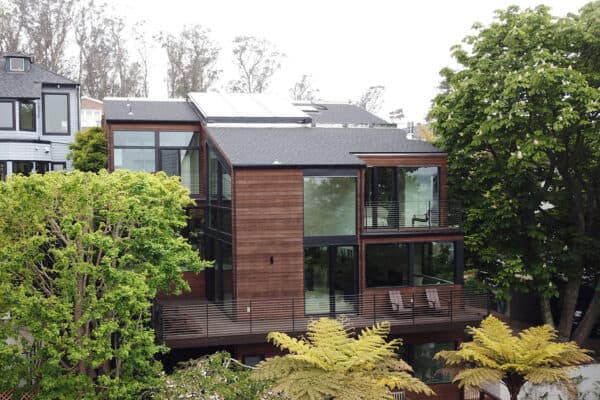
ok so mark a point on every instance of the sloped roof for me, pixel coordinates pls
(306, 146)
(136, 109)
(27, 84)
(339, 113)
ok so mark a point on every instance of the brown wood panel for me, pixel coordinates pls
(268, 222)
(197, 284)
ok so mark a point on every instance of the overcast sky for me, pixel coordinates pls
(345, 45)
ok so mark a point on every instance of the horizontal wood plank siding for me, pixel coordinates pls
(197, 288)
(269, 223)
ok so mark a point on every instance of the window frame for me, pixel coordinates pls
(34, 116)
(218, 203)
(44, 131)
(10, 64)
(14, 116)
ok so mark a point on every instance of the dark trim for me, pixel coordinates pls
(459, 254)
(60, 85)
(38, 141)
(399, 153)
(34, 115)
(259, 120)
(417, 231)
(44, 132)
(303, 166)
(316, 241)
(78, 108)
(14, 116)
(331, 172)
(150, 121)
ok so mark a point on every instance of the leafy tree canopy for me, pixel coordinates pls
(89, 150)
(331, 363)
(82, 255)
(216, 376)
(520, 122)
(496, 354)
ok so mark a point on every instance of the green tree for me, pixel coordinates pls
(215, 376)
(89, 150)
(331, 364)
(495, 354)
(82, 255)
(519, 121)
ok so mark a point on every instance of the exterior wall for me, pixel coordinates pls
(197, 282)
(269, 222)
(19, 145)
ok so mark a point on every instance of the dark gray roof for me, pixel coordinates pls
(305, 146)
(340, 113)
(171, 110)
(27, 84)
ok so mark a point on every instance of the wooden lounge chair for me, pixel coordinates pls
(397, 302)
(433, 300)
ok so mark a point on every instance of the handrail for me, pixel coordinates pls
(188, 319)
(429, 214)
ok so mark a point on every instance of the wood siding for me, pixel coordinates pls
(269, 222)
(197, 284)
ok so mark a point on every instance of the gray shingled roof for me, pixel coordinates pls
(28, 84)
(118, 109)
(341, 113)
(306, 146)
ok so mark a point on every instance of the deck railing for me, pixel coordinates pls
(435, 304)
(385, 215)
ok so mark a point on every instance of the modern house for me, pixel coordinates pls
(39, 115)
(91, 112)
(302, 221)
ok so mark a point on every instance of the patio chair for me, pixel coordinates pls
(397, 303)
(434, 302)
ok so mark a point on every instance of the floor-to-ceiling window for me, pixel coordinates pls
(330, 254)
(399, 197)
(220, 278)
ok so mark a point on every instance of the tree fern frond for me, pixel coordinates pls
(477, 377)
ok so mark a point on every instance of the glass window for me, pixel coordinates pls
(22, 167)
(387, 264)
(179, 139)
(135, 159)
(59, 166)
(16, 64)
(7, 115)
(27, 116)
(2, 170)
(426, 368)
(226, 185)
(133, 138)
(329, 206)
(418, 196)
(316, 280)
(56, 114)
(213, 174)
(190, 169)
(434, 263)
(42, 167)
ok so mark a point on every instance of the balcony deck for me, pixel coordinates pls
(197, 323)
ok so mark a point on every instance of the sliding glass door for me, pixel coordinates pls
(329, 279)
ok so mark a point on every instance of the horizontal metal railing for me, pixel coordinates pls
(435, 304)
(386, 215)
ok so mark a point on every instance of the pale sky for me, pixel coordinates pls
(345, 45)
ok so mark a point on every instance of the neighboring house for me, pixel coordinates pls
(91, 112)
(302, 222)
(39, 114)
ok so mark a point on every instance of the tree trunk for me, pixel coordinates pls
(569, 303)
(547, 311)
(589, 319)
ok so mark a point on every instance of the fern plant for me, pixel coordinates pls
(496, 354)
(330, 363)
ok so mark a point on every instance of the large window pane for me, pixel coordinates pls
(133, 138)
(226, 185)
(387, 264)
(135, 159)
(344, 279)
(329, 206)
(2, 170)
(418, 195)
(316, 280)
(213, 174)
(22, 167)
(434, 263)
(56, 114)
(190, 169)
(169, 162)
(7, 115)
(426, 368)
(27, 116)
(179, 139)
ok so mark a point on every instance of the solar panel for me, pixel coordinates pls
(243, 107)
